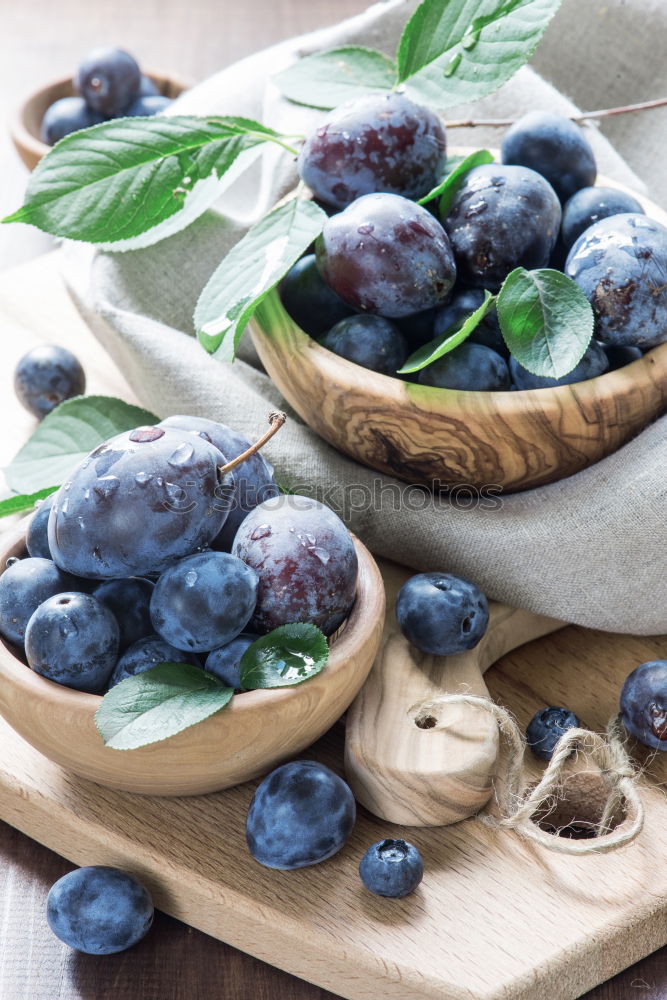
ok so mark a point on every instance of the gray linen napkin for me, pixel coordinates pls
(590, 549)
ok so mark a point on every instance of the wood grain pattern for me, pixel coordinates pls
(397, 765)
(514, 440)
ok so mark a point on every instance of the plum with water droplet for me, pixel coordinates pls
(306, 562)
(24, 585)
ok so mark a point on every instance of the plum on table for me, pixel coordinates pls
(546, 728)
(441, 614)
(644, 704)
(391, 868)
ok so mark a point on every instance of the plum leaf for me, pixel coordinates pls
(286, 656)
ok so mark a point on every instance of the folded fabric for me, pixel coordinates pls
(590, 549)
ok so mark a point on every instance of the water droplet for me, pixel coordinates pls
(321, 554)
(11, 561)
(105, 487)
(453, 64)
(475, 209)
(312, 539)
(64, 505)
(190, 578)
(142, 478)
(146, 434)
(174, 491)
(366, 229)
(262, 531)
(182, 455)
(96, 552)
(160, 481)
(86, 494)
(470, 39)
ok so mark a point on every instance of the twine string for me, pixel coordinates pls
(517, 805)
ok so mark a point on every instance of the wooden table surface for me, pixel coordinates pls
(41, 42)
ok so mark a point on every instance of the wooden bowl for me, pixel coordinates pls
(25, 126)
(251, 735)
(447, 438)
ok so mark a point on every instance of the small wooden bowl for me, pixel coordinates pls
(26, 124)
(251, 735)
(428, 436)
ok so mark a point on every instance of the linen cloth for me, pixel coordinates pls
(591, 549)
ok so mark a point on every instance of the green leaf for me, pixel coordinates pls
(449, 187)
(112, 183)
(450, 339)
(546, 320)
(158, 703)
(250, 270)
(328, 79)
(66, 435)
(289, 655)
(459, 51)
(22, 502)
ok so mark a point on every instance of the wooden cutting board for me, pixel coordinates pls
(494, 917)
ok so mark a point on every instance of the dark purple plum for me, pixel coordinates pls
(225, 662)
(46, 376)
(386, 255)
(391, 868)
(73, 640)
(593, 363)
(502, 217)
(468, 367)
(546, 728)
(146, 653)
(441, 614)
(379, 143)
(147, 106)
(306, 563)
(553, 146)
(644, 704)
(462, 304)
(37, 535)
(138, 503)
(620, 263)
(204, 601)
(23, 587)
(108, 79)
(313, 306)
(254, 480)
(69, 114)
(370, 341)
(129, 602)
(591, 204)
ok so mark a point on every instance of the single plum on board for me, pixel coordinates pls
(553, 146)
(391, 868)
(441, 614)
(546, 728)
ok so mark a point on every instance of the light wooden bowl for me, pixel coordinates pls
(254, 733)
(513, 440)
(25, 125)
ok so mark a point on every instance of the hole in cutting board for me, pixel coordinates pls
(577, 809)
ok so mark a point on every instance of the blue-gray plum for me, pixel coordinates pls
(417, 328)
(384, 254)
(379, 143)
(225, 662)
(306, 562)
(620, 355)
(502, 217)
(302, 813)
(37, 535)
(129, 602)
(594, 362)
(463, 303)
(370, 341)
(73, 640)
(391, 868)
(620, 263)
(46, 376)
(546, 728)
(553, 146)
(644, 704)
(146, 653)
(313, 306)
(99, 910)
(468, 367)
(23, 587)
(441, 614)
(147, 106)
(138, 503)
(66, 115)
(108, 79)
(204, 601)
(591, 204)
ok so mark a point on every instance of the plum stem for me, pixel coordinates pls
(583, 117)
(276, 419)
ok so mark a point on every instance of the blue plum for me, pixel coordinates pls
(379, 143)
(553, 146)
(441, 614)
(66, 115)
(463, 303)
(99, 910)
(370, 341)
(386, 255)
(73, 640)
(147, 88)
(204, 601)
(23, 587)
(225, 662)
(147, 106)
(391, 868)
(594, 362)
(302, 813)
(620, 355)
(620, 264)
(129, 602)
(46, 376)
(468, 367)
(644, 704)
(108, 79)
(313, 306)
(146, 653)
(502, 217)
(306, 562)
(546, 728)
(37, 535)
(138, 503)
(417, 328)
(591, 204)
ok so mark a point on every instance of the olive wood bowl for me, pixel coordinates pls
(445, 437)
(256, 731)
(26, 124)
